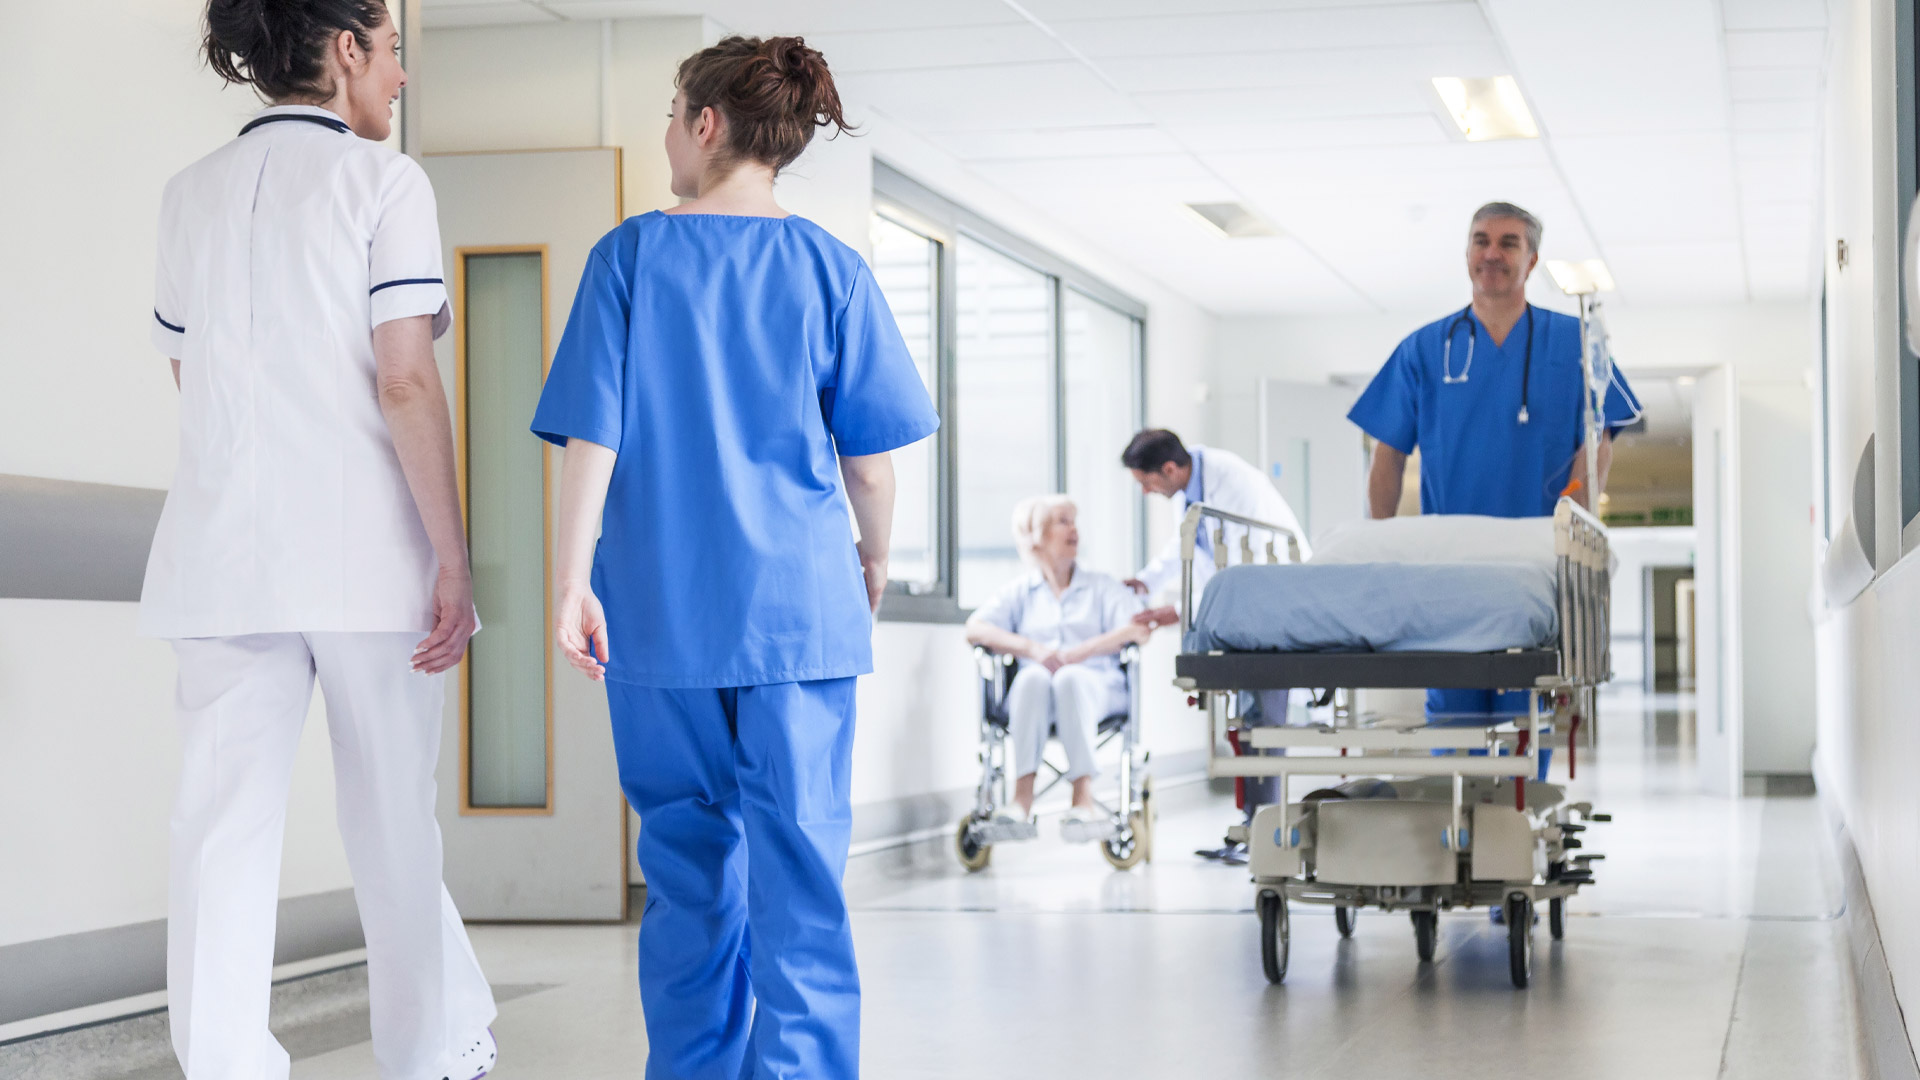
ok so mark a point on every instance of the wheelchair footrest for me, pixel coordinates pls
(1000, 831)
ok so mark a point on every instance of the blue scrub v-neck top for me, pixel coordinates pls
(1476, 457)
(730, 361)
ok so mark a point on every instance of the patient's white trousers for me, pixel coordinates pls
(242, 702)
(1074, 700)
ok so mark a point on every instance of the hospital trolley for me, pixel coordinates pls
(1447, 817)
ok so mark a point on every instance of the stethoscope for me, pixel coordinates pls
(1446, 355)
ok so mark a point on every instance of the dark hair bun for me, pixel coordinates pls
(774, 92)
(279, 47)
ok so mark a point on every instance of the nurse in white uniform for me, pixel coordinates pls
(1162, 465)
(313, 530)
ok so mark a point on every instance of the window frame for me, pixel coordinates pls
(1906, 50)
(914, 206)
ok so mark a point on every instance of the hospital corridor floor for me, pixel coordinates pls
(1711, 946)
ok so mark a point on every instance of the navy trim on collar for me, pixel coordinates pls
(168, 325)
(405, 281)
(324, 121)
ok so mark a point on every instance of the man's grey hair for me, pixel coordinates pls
(1508, 210)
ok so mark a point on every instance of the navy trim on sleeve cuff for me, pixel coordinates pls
(405, 281)
(168, 325)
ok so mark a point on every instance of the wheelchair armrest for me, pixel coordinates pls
(1129, 656)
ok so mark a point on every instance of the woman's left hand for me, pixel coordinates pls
(875, 572)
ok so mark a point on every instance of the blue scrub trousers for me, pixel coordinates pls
(1476, 708)
(746, 953)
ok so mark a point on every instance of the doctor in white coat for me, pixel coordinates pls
(1163, 465)
(312, 532)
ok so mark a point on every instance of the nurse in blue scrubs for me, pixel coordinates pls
(728, 388)
(1493, 398)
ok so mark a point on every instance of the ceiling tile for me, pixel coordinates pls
(1203, 134)
(508, 13)
(1803, 115)
(1602, 72)
(1773, 84)
(1010, 97)
(1339, 27)
(1062, 10)
(1776, 48)
(1121, 140)
(1774, 14)
(1340, 67)
(948, 47)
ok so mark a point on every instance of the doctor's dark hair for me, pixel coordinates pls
(279, 47)
(773, 93)
(1153, 448)
(1507, 210)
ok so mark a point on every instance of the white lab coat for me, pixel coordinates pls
(1224, 480)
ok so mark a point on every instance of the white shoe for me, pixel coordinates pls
(1084, 823)
(474, 1060)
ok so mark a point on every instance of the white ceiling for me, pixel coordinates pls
(1680, 139)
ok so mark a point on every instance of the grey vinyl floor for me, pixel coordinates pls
(1710, 947)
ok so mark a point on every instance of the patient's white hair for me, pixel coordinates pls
(1030, 517)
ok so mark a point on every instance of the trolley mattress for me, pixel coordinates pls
(1377, 607)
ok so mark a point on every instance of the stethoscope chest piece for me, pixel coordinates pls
(1448, 378)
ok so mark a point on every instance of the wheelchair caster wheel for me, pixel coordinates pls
(973, 854)
(1129, 848)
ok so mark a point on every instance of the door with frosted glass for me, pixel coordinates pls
(530, 806)
(1313, 453)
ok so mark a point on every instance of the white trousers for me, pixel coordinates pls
(242, 702)
(1074, 700)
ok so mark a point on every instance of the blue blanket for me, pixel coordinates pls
(1376, 607)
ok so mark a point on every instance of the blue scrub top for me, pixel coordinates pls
(1475, 455)
(730, 361)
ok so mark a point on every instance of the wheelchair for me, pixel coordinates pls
(1129, 841)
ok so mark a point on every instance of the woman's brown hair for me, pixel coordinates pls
(773, 93)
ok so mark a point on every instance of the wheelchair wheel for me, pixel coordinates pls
(1343, 920)
(1425, 923)
(1129, 849)
(1273, 935)
(973, 854)
(1519, 913)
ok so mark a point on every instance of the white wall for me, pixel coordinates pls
(524, 87)
(1869, 745)
(87, 744)
(1635, 551)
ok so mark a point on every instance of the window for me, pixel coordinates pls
(906, 266)
(1037, 369)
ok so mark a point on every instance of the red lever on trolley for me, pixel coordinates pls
(1520, 782)
(1239, 782)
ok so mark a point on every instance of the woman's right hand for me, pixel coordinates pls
(1048, 658)
(580, 629)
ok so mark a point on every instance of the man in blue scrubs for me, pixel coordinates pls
(1493, 398)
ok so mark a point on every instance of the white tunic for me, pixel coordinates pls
(1223, 480)
(279, 253)
(1093, 604)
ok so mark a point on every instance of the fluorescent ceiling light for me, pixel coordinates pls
(1582, 277)
(1487, 108)
(1230, 219)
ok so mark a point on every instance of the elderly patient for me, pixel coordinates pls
(1066, 624)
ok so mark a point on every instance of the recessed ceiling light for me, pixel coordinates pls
(1582, 277)
(1230, 219)
(1487, 108)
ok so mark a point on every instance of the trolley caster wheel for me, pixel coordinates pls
(1273, 935)
(1129, 849)
(1426, 925)
(1557, 917)
(973, 854)
(1519, 913)
(1343, 920)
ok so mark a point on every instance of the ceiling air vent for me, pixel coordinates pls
(1231, 219)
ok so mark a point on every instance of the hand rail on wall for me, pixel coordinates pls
(67, 540)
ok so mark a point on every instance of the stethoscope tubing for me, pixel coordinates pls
(1448, 378)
